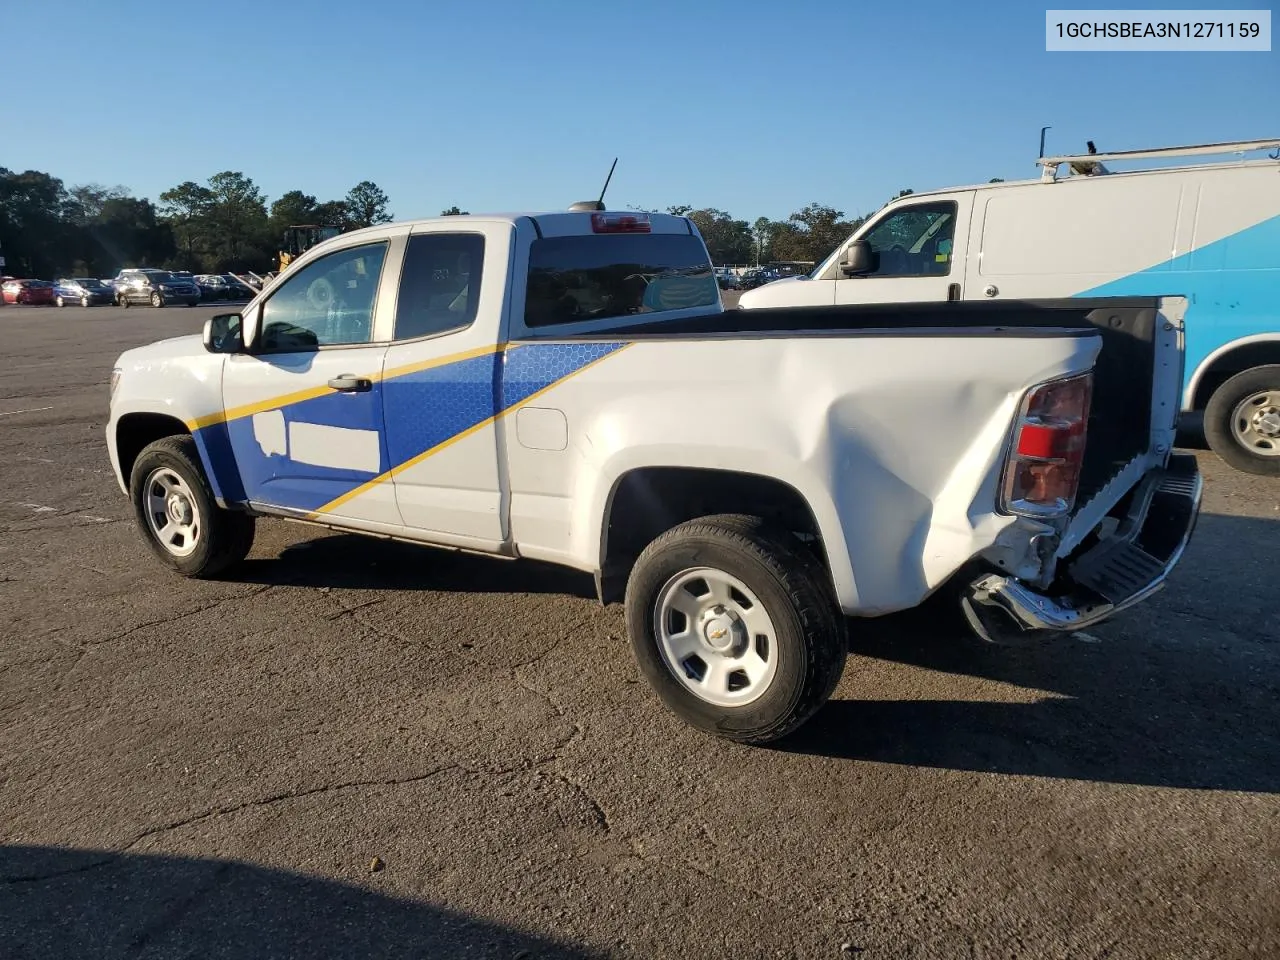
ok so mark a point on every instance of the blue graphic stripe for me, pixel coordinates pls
(426, 408)
(1232, 288)
(414, 413)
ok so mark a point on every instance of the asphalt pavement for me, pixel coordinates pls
(352, 748)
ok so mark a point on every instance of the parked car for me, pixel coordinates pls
(727, 279)
(86, 291)
(156, 287)
(1207, 231)
(1042, 494)
(215, 286)
(237, 289)
(33, 292)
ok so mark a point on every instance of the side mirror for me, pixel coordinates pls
(222, 334)
(858, 259)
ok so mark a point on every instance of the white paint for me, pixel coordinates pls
(1029, 239)
(38, 508)
(269, 431)
(341, 448)
(542, 428)
(14, 413)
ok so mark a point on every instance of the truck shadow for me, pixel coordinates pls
(1182, 692)
(354, 562)
(60, 902)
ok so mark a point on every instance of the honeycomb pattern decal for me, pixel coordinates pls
(532, 367)
(426, 408)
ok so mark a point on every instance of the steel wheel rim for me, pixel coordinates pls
(715, 637)
(1255, 423)
(172, 514)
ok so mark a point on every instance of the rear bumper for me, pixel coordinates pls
(1118, 572)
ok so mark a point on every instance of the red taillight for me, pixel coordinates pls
(1043, 472)
(620, 222)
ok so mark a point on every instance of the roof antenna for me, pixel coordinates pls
(597, 204)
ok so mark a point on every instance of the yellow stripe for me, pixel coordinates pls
(311, 393)
(444, 444)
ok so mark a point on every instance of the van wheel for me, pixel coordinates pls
(157, 300)
(177, 514)
(735, 627)
(60, 302)
(122, 300)
(1242, 421)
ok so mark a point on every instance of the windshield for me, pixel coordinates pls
(87, 282)
(158, 276)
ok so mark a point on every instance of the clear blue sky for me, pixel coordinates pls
(756, 108)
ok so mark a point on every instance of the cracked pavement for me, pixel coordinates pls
(360, 748)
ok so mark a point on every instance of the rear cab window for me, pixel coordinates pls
(599, 277)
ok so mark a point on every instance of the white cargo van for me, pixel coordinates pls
(1208, 231)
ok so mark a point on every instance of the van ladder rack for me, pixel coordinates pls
(1050, 164)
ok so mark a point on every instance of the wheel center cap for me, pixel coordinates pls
(179, 509)
(720, 629)
(1267, 422)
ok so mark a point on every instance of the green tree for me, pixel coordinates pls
(454, 212)
(31, 224)
(186, 208)
(810, 234)
(367, 205)
(238, 220)
(332, 213)
(728, 240)
(761, 234)
(292, 208)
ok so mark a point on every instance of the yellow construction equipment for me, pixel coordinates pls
(300, 238)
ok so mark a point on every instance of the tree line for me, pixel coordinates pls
(50, 230)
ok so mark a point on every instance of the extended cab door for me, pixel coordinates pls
(916, 255)
(304, 408)
(439, 387)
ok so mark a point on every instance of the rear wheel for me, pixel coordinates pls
(84, 301)
(156, 299)
(1242, 421)
(735, 627)
(60, 302)
(177, 514)
(122, 300)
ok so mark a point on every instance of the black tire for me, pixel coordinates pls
(123, 300)
(157, 300)
(1222, 408)
(60, 302)
(795, 590)
(226, 536)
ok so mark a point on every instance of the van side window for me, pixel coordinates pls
(915, 241)
(440, 284)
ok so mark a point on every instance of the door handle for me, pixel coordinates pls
(346, 383)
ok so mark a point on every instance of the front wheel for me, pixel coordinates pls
(1242, 421)
(177, 514)
(735, 627)
(122, 300)
(60, 302)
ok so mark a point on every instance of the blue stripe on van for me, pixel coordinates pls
(1232, 287)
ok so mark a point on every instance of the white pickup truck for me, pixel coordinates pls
(567, 387)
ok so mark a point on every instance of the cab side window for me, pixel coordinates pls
(915, 241)
(328, 302)
(440, 284)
